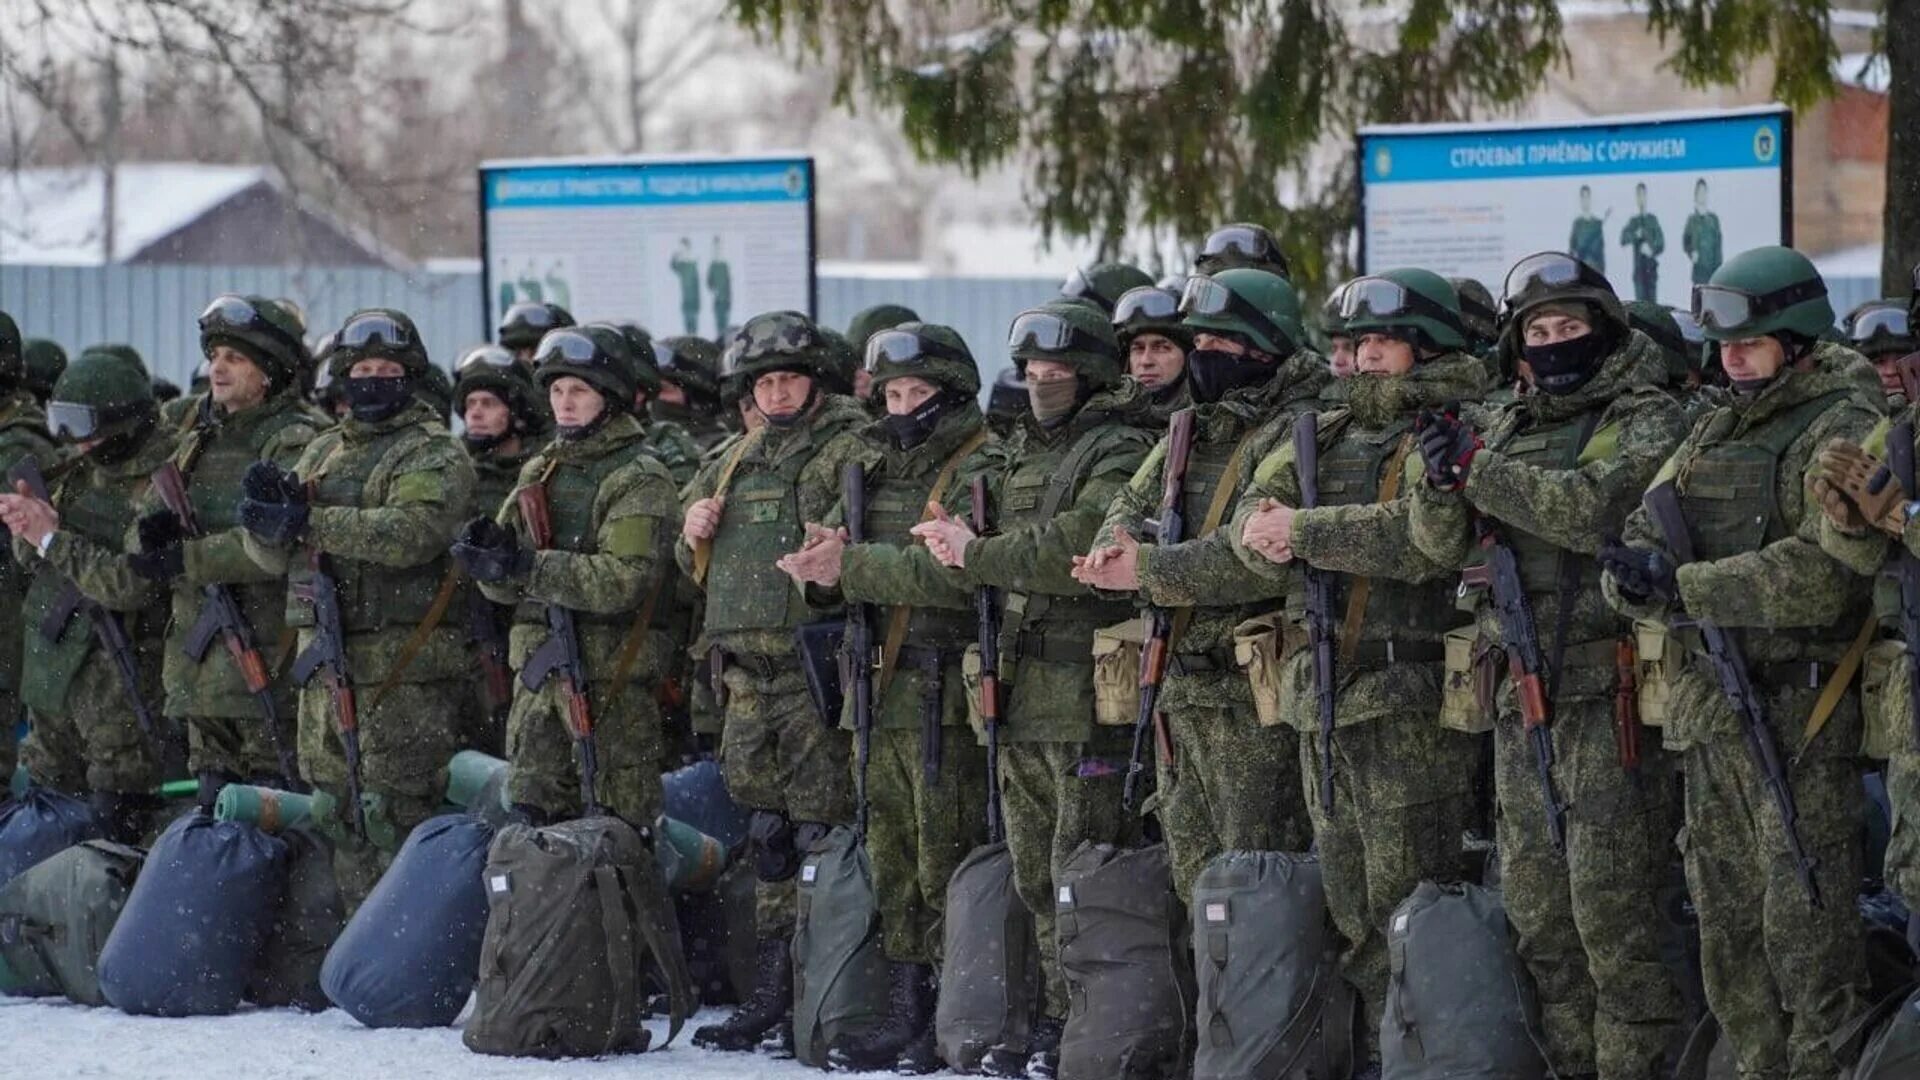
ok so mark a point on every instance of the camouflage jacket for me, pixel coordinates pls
(23, 433)
(705, 430)
(495, 475)
(674, 447)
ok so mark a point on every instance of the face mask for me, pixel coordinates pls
(375, 399)
(909, 430)
(483, 444)
(117, 448)
(1565, 366)
(1216, 374)
(1054, 399)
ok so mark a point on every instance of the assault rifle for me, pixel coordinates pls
(857, 644)
(559, 657)
(1169, 528)
(986, 610)
(487, 629)
(1736, 682)
(220, 615)
(326, 655)
(1319, 600)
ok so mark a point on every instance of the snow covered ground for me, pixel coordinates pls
(47, 1041)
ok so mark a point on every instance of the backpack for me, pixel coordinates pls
(990, 981)
(839, 973)
(310, 918)
(1123, 953)
(1459, 1005)
(55, 918)
(195, 920)
(570, 909)
(1271, 1004)
(38, 825)
(1893, 1051)
(408, 956)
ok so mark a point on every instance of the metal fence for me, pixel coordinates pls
(153, 308)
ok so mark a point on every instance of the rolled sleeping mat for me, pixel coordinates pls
(268, 809)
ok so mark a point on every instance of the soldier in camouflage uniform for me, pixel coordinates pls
(689, 396)
(1559, 470)
(865, 323)
(525, 323)
(1339, 349)
(1781, 974)
(743, 511)
(1006, 402)
(1242, 246)
(1156, 343)
(253, 411)
(669, 444)
(1087, 431)
(1402, 785)
(45, 361)
(1103, 284)
(1233, 785)
(1882, 331)
(84, 736)
(926, 774)
(613, 512)
(23, 433)
(377, 497)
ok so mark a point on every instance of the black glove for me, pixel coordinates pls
(1641, 574)
(160, 529)
(267, 482)
(1447, 446)
(489, 551)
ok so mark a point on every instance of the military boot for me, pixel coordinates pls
(922, 1055)
(763, 1009)
(909, 1013)
(1009, 1059)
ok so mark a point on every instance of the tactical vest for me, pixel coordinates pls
(572, 489)
(1554, 446)
(1206, 471)
(1351, 472)
(494, 478)
(372, 596)
(1067, 622)
(101, 515)
(214, 466)
(895, 505)
(759, 523)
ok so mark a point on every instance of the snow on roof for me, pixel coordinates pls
(53, 216)
(1863, 71)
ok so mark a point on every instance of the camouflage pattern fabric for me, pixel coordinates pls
(673, 446)
(23, 432)
(920, 830)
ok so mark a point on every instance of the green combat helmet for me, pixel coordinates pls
(1102, 284)
(1007, 401)
(1068, 332)
(596, 354)
(776, 341)
(435, 390)
(692, 363)
(105, 395)
(871, 320)
(1417, 305)
(44, 360)
(13, 364)
(1256, 306)
(382, 333)
(1150, 309)
(1657, 322)
(923, 350)
(165, 390)
(1874, 329)
(525, 323)
(640, 356)
(268, 332)
(493, 369)
(844, 360)
(1765, 292)
(1242, 246)
(1479, 318)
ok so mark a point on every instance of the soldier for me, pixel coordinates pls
(1657, 323)
(85, 736)
(1588, 238)
(361, 526)
(1478, 318)
(23, 433)
(1402, 786)
(612, 511)
(45, 361)
(1881, 331)
(689, 396)
(743, 511)
(1006, 402)
(253, 411)
(1643, 236)
(1102, 284)
(525, 323)
(1234, 785)
(1087, 430)
(1701, 237)
(865, 323)
(1147, 323)
(669, 444)
(1242, 246)
(925, 772)
(1548, 476)
(1782, 970)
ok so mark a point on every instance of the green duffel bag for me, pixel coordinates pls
(1884, 1043)
(990, 980)
(1123, 953)
(55, 917)
(571, 907)
(311, 916)
(839, 973)
(1459, 1004)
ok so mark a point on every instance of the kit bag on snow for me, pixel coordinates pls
(55, 918)
(1271, 1005)
(839, 972)
(195, 920)
(309, 920)
(574, 909)
(1122, 941)
(990, 981)
(38, 825)
(408, 956)
(1459, 1004)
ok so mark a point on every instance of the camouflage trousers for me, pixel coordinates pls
(97, 745)
(405, 742)
(546, 764)
(242, 745)
(1055, 796)
(1402, 798)
(1232, 786)
(1780, 974)
(776, 755)
(1903, 846)
(1589, 923)
(918, 831)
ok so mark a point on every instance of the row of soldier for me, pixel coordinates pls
(694, 520)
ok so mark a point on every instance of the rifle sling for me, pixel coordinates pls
(636, 637)
(1362, 586)
(1223, 494)
(703, 549)
(442, 600)
(901, 614)
(1837, 684)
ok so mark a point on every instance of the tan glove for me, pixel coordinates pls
(1861, 479)
(1839, 510)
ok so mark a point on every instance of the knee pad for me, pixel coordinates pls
(771, 837)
